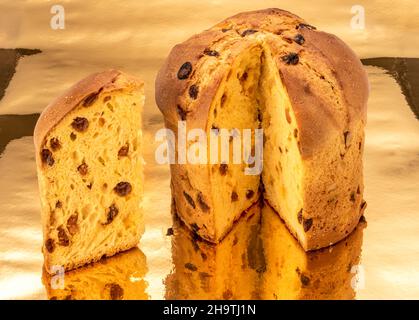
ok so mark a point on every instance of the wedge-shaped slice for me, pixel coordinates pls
(89, 164)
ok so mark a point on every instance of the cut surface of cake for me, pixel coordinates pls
(305, 89)
(89, 165)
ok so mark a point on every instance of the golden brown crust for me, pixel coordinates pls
(95, 83)
(339, 68)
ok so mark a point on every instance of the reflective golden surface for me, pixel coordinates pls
(135, 36)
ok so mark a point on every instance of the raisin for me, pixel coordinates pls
(189, 199)
(72, 224)
(73, 136)
(182, 113)
(299, 39)
(202, 203)
(291, 58)
(305, 281)
(234, 196)
(224, 30)
(115, 291)
(184, 71)
(190, 266)
(112, 213)
(347, 138)
(80, 124)
(123, 152)
(58, 204)
(169, 232)
(47, 157)
(223, 169)
(307, 223)
(55, 144)
(306, 26)
(122, 189)
(90, 99)
(62, 237)
(211, 53)
(50, 245)
(363, 204)
(248, 32)
(82, 169)
(300, 216)
(295, 133)
(250, 194)
(352, 197)
(358, 190)
(107, 98)
(193, 91)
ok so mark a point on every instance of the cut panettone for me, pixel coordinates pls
(306, 89)
(120, 277)
(89, 164)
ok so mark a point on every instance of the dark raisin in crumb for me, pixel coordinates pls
(300, 216)
(307, 223)
(347, 138)
(189, 199)
(115, 291)
(305, 281)
(106, 99)
(225, 29)
(73, 136)
(72, 224)
(193, 91)
(184, 71)
(234, 196)
(202, 203)
(299, 39)
(223, 169)
(352, 197)
(358, 190)
(250, 194)
(306, 26)
(82, 169)
(62, 237)
(363, 204)
(122, 189)
(291, 58)
(295, 133)
(47, 157)
(90, 99)
(55, 144)
(80, 124)
(123, 152)
(58, 205)
(111, 214)
(182, 113)
(248, 32)
(190, 266)
(50, 245)
(169, 232)
(211, 53)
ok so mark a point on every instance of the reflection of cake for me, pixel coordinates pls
(90, 170)
(305, 88)
(115, 278)
(229, 270)
(291, 273)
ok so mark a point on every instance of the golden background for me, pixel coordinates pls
(135, 36)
